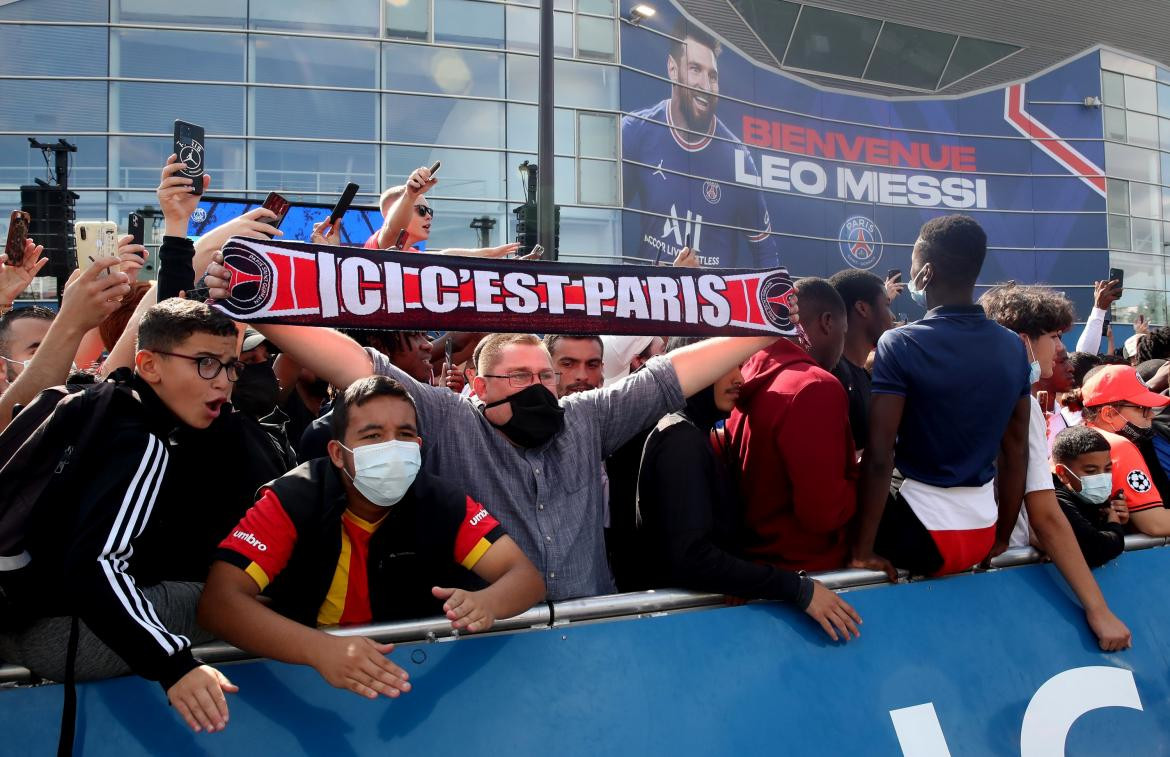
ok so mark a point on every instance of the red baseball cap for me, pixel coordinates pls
(1119, 383)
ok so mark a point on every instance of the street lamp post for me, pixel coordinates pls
(545, 203)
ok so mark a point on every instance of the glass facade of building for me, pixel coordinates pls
(1136, 111)
(301, 96)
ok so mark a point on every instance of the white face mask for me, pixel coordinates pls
(383, 472)
(1095, 488)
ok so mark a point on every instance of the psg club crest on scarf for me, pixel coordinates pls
(349, 287)
(860, 241)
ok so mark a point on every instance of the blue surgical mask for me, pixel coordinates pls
(1034, 371)
(1095, 488)
(916, 294)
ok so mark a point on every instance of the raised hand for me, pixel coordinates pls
(133, 256)
(14, 279)
(420, 182)
(326, 233)
(177, 198)
(90, 297)
(253, 224)
(687, 259)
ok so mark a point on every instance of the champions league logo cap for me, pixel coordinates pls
(1119, 383)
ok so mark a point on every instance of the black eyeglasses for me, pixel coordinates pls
(521, 379)
(209, 367)
(424, 211)
(1147, 412)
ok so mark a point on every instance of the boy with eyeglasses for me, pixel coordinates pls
(1120, 406)
(100, 548)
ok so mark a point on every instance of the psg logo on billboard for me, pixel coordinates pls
(252, 278)
(860, 241)
(199, 216)
(712, 192)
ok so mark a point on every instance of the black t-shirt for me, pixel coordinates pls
(857, 385)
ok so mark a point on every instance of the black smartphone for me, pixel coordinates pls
(278, 205)
(894, 274)
(136, 229)
(342, 205)
(687, 240)
(435, 168)
(18, 223)
(189, 151)
(1105, 327)
(1118, 275)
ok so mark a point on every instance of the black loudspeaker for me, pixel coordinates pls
(52, 212)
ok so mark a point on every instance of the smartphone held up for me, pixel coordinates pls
(18, 223)
(96, 240)
(189, 150)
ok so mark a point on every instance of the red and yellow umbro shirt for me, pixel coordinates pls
(265, 540)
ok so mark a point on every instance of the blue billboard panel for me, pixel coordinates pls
(1001, 663)
(357, 224)
(754, 167)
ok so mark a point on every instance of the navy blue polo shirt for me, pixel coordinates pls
(961, 375)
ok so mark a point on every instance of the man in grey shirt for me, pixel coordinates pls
(531, 459)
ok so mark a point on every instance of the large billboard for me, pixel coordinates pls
(756, 167)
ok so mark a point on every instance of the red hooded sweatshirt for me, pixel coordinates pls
(790, 431)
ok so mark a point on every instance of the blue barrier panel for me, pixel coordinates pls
(957, 661)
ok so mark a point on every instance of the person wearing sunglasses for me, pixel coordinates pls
(409, 216)
(1122, 408)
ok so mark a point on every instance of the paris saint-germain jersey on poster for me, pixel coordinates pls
(714, 212)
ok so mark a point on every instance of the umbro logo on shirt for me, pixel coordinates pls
(250, 539)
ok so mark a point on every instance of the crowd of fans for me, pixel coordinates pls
(260, 485)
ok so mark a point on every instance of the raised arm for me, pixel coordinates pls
(85, 303)
(700, 365)
(122, 353)
(398, 219)
(330, 354)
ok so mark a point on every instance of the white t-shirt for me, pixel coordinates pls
(1039, 472)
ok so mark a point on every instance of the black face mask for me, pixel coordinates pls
(256, 392)
(536, 416)
(1136, 434)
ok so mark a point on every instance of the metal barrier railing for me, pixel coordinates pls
(594, 608)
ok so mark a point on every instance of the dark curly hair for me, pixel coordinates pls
(1081, 363)
(1030, 310)
(1156, 346)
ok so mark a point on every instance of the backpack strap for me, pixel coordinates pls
(69, 705)
(666, 422)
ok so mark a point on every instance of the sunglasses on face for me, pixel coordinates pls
(424, 211)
